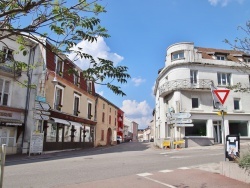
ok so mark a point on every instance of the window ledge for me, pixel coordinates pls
(238, 111)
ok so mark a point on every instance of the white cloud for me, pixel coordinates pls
(223, 2)
(138, 81)
(96, 49)
(134, 108)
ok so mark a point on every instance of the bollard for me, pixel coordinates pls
(2, 160)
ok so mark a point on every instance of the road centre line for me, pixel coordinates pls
(164, 171)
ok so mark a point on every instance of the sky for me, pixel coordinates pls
(142, 30)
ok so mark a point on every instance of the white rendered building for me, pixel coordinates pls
(183, 85)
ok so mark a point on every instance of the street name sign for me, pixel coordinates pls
(184, 125)
(180, 121)
(40, 112)
(41, 117)
(42, 106)
(181, 115)
(221, 94)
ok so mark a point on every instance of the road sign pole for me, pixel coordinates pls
(223, 132)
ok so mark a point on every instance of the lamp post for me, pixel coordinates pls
(54, 81)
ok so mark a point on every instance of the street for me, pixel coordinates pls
(124, 165)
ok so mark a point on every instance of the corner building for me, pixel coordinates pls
(183, 85)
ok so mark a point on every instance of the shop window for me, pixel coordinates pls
(199, 128)
(4, 92)
(238, 128)
(7, 136)
(51, 132)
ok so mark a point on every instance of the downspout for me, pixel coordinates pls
(29, 76)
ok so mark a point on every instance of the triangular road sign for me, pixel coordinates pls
(221, 94)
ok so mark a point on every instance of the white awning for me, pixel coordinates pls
(75, 124)
(57, 120)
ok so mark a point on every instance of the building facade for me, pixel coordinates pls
(109, 122)
(184, 85)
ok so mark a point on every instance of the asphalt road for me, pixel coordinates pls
(125, 165)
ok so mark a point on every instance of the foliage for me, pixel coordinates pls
(63, 24)
(241, 44)
(244, 161)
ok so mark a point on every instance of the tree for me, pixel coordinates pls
(68, 23)
(243, 45)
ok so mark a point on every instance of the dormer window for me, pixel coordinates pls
(247, 60)
(220, 57)
(178, 55)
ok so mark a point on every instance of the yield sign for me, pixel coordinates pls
(222, 94)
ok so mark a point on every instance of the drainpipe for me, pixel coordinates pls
(29, 76)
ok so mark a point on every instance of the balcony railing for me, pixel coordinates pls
(184, 84)
(10, 67)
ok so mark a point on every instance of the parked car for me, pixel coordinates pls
(119, 139)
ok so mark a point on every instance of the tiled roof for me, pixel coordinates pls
(208, 52)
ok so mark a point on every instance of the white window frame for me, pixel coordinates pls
(9, 93)
(89, 86)
(226, 75)
(59, 87)
(57, 68)
(239, 103)
(76, 78)
(89, 102)
(247, 60)
(79, 97)
(178, 55)
(221, 57)
(195, 97)
(194, 76)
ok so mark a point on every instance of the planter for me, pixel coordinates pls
(232, 170)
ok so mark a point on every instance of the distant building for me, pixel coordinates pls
(130, 130)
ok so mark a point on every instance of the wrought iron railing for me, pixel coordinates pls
(10, 67)
(184, 84)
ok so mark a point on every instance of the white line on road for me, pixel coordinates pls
(183, 168)
(156, 181)
(144, 174)
(164, 171)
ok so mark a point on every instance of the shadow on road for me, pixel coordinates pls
(17, 159)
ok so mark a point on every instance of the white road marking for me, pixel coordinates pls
(144, 174)
(183, 168)
(164, 171)
(156, 181)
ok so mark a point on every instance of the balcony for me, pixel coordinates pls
(184, 84)
(10, 68)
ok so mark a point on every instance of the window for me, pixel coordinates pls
(89, 86)
(177, 55)
(103, 117)
(89, 110)
(224, 79)
(102, 135)
(76, 111)
(109, 119)
(236, 104)
(193, 76)
(195, 102)
(199, 128)
(4, 92)
(76, 78)
(58, 98)
(247, 60)
(115, 121)
(103, 106)
(7, 53)
(109, 109)
(59, 66)
(220, 57)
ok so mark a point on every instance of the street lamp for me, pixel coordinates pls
(54, 81)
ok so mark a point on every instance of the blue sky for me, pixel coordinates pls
(141, 31)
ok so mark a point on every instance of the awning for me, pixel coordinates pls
(12, 122)
(57, 120)
(75, 124)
